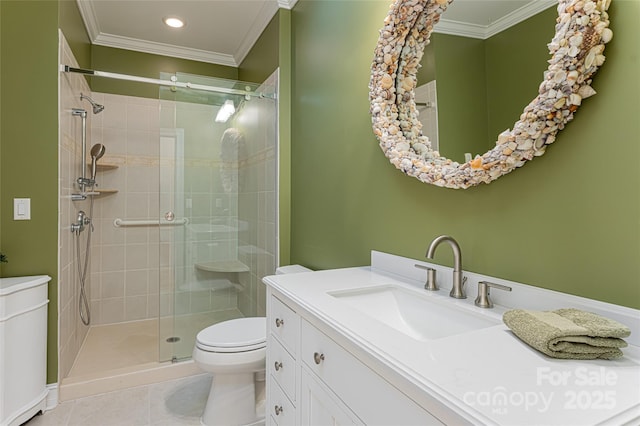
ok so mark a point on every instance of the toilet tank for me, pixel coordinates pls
(291, 269)
(23, 348)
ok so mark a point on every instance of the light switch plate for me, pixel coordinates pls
(22, 209)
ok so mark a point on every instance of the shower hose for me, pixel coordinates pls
(83, 303)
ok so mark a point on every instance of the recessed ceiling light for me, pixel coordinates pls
(173, 22)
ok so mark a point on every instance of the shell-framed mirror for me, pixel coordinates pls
(576, 53)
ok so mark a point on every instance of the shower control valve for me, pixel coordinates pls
(86, 181)
(83, 220)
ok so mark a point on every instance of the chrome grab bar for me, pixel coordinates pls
(118, 223)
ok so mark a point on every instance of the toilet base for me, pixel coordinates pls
(232, 401)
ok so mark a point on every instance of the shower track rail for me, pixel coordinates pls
(170, 83)
(119, 223)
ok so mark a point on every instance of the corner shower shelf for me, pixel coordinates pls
(105, 191)
(104, 166)
(222, 266)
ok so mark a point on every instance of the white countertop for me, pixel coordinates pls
(488, 375)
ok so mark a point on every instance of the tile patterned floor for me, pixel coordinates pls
(173, 403)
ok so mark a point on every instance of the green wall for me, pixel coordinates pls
(262, 59)
(271, 51)
(123, 61)
(567, 221)
(461, 81)
(29, 147)
(478, 85)
(285, 120)
(71, 24)
(509, 89)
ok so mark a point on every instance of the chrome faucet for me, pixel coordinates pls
(458, 280)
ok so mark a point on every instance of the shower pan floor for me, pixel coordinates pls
(114, 346)
(118, 356)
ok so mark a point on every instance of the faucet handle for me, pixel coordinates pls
(431, 284)
(483, 300)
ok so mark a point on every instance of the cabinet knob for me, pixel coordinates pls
(278, 365)
(278, 409)
(318, 357)
(279, 322)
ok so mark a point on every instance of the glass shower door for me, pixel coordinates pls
(212, 195)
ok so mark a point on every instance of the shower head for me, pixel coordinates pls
(97, 108)
(97, 151)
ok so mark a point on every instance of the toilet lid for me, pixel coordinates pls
(237, 335)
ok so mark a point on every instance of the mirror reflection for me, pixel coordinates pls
(482, 83)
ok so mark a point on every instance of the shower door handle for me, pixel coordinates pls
(169, 216)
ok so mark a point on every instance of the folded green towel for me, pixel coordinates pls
(568, 333)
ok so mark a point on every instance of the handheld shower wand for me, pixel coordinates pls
(97, 151)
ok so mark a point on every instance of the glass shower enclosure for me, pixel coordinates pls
(217, 205)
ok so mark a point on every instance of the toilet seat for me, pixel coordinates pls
(238, 335)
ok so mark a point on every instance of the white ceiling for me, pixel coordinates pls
(223, 31)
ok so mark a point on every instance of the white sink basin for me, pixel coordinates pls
(418, 316)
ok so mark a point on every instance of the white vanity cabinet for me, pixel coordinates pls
(281, 369)
(312, 380)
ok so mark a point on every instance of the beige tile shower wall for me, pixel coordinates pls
(126, 260)
(142, 272)
(71, 331)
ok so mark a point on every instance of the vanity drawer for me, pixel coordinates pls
(284, 324)
(280, 410)
(282, 367)
(382, 404)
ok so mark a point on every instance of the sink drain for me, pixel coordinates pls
(173, 339)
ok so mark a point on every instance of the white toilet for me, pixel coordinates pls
(235, 351)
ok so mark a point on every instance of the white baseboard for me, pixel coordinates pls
(52, 396)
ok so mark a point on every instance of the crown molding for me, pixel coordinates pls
(483, 32)
(287, 4)
(97, 37)
(268, 11)
(110, 40)
(88, 14)
(462, 29)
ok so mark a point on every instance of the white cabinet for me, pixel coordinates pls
(312, 380)
(282, 370)
(320, 406)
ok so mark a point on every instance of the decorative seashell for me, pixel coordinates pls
(386, 82)
(590, 59)
(575, 99)
(560, 76)
(476, 163)
(589, 7)
(525, 144)
(575, 40)
(560, 103)
(538, 143)
(407, 84)
(573, 51)
(586, 91)
(503, 137)
(572, 77)
(540, 151)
